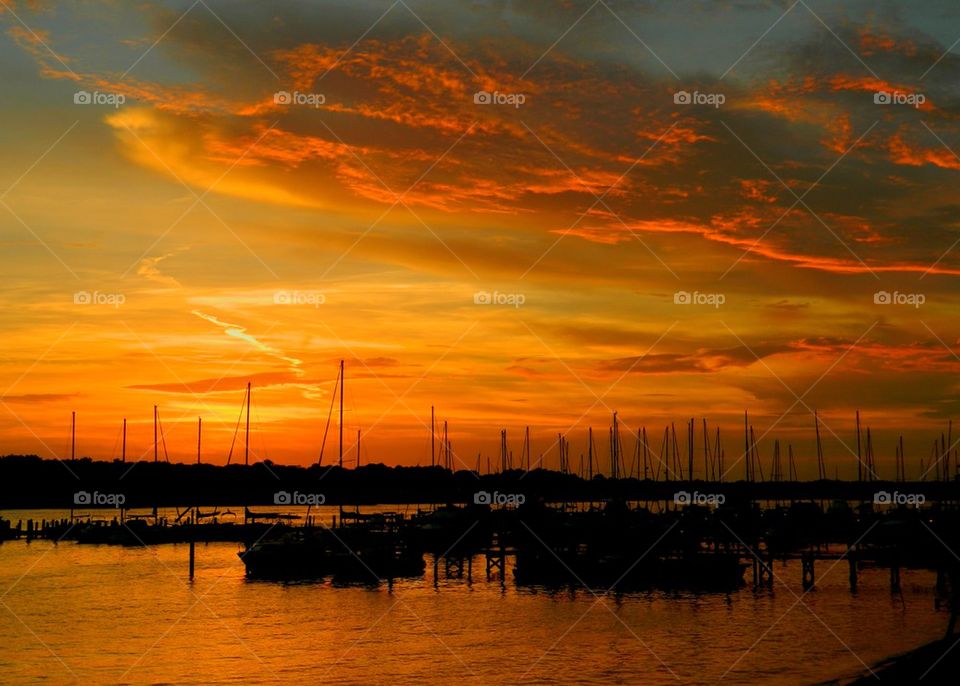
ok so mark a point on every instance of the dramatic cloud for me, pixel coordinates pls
(499, 209)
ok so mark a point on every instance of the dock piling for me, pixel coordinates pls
(807, 565)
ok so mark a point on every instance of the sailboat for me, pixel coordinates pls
(365, 548)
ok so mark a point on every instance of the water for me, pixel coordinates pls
(113, 615)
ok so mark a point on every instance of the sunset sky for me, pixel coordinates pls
(227, 236)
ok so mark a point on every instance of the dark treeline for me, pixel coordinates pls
(30, 481)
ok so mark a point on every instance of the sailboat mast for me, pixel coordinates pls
(503, 450)
(707, 461)
(246, 446)
(646, 460)
(903, 468)
(199, 430)
(614, 456)
(123, 449)
(946, 466)
(433, 438)
(859, 461)
(821, 466)
(154, 433)
(746, 444)
(73, 434)
(526, 440)
(342, 380)
(590, 452)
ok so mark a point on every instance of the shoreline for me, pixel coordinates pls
(937, 661)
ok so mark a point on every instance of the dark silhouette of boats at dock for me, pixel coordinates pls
(622, 548)
(622, 571)
(362, 547)
(142, 530)
(366, 548)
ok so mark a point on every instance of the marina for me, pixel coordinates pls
(464, 626)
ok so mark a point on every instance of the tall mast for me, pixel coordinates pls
(123, 449)
(73, 434)
(859, 462)
(903, 468)
(821, 466)
(614, 441)
(199, 429)
(646, 474)
(342, 381)
(707, 461)
(433, 439)
(943, 448)
(746, 444)
(590, 452)
(718, 455)
(526, 441)
(612, 453)
(503, 450)
(246, 447)
(946, 466)
(154, 433)
(358, 447)
(664, 449)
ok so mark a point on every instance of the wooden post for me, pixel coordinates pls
(807, 564)
(852, 561)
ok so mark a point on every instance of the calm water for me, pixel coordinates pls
(112, 615)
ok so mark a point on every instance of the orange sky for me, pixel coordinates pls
(227, 236)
